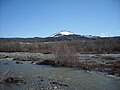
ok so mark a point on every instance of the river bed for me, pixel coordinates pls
(73, 78)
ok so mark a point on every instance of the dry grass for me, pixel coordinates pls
(80, 46)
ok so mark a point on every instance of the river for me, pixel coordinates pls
(74, 78)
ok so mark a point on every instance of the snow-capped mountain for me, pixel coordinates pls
(68, 35)
(62, 33)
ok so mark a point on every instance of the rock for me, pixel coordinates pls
(45, 62)
(18, 62)
(47, 53)
(6, 56)
(13, 80)
(10, 80)
(41, 80)
(10, 59)
(60, 84)
(55, 87)
(33, 62)
(20, 59)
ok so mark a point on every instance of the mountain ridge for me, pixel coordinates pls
(66, 33)
(59, 36)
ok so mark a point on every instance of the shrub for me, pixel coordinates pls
(65, 54)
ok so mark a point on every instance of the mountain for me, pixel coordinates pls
(68, 35)
(62, 33)
(60, 36)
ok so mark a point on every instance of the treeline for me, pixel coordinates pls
(80, 46)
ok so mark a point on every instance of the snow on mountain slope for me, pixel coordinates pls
(62, 33)
(66, 33)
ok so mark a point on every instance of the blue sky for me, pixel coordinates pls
(41, 18)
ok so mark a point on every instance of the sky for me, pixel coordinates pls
(41, 18)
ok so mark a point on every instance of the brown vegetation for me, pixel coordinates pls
(80, 46)
(25, 47)
(65, 54)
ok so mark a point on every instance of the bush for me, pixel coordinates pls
(65, 54)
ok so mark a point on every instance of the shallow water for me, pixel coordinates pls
(75, 79)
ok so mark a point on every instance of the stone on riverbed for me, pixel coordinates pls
(18, 62)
